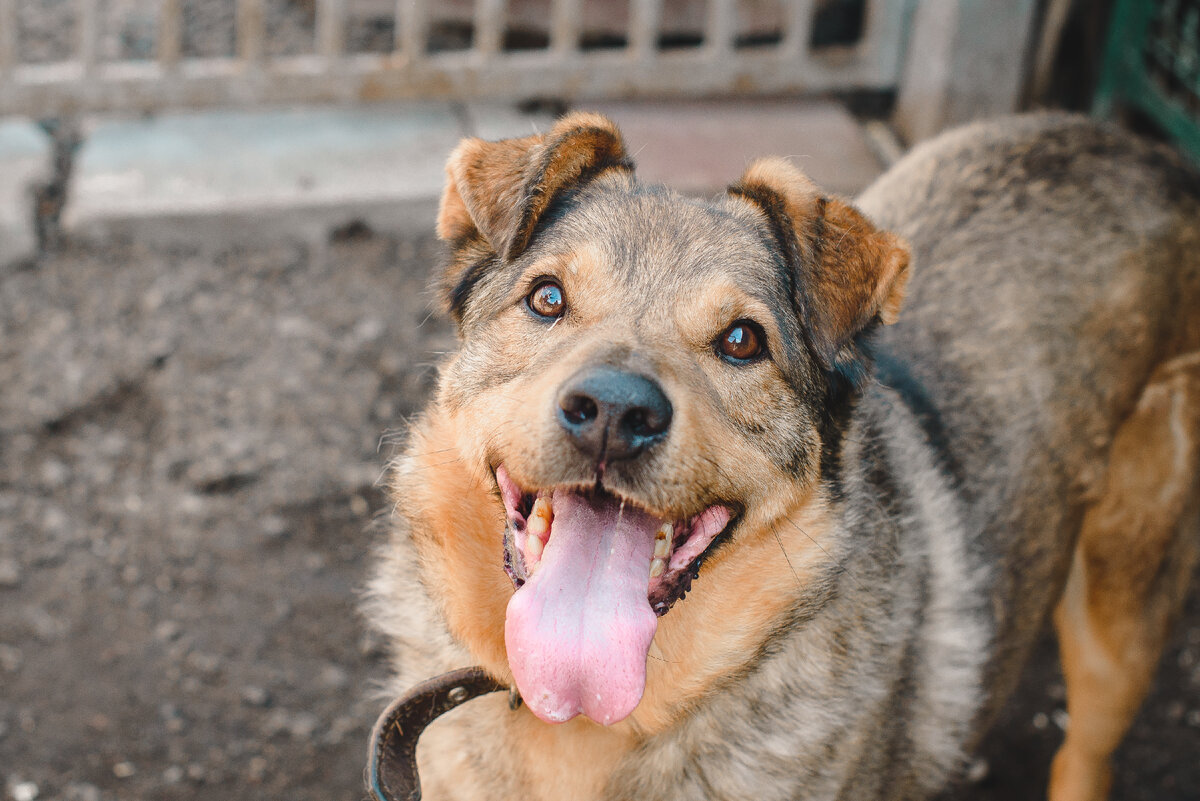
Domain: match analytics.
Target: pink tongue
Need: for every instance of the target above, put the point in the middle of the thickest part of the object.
(578, 631)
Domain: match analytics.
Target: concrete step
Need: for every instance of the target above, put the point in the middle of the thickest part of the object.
(229, 176)
(239, 174)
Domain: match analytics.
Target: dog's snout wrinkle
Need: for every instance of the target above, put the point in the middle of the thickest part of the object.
(613, 414)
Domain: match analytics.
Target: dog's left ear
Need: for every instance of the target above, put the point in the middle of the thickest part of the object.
(496, 192)
(848, 273)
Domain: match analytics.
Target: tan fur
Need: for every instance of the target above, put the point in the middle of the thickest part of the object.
(698, 647)
(702, 644)
(1116, 612)
(838, 643)
(864, 271)
(502, 188)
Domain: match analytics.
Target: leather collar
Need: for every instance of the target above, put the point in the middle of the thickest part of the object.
(392, 761)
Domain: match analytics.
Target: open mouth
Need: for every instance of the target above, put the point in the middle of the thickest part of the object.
(593, 573)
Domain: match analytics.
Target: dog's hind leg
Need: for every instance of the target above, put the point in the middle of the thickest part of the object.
(1135, 555)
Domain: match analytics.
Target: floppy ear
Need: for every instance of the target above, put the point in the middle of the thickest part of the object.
(848, 274)
(496, 192)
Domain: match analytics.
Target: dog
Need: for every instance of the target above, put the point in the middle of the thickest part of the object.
(769, 496)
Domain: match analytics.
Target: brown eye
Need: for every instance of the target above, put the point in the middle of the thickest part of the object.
(546, 300)
(741, 342)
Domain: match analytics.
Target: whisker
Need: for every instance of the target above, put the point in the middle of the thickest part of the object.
(841, 568)
(786, 558)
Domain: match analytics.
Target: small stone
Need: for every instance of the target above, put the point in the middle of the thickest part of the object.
(55, 473)
(10, 573)
(1193, 718)
(82, 791)
(276, 722)
(255, 695)
(10, 658)
(196, 772)
(205, 664)
(334, 677)
(302, 725)
(368, 330)
(978, 770)
(338, 730)
(23, 791)
(1040, 721)
(173, 774)
(172, 718)
(167, 631)
(55, 520)
(46, 627)
(123, 770)
(1061, 718)
(256, 770)
(359, 506)
(275, 527)
(1175, 711)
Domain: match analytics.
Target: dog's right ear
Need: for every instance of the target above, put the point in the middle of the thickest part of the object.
(847, 274)
(497, 192)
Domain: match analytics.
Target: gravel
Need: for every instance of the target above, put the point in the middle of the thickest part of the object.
(188, 457)
(189, 445)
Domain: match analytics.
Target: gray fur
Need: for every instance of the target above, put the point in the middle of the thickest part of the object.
(1031, 324)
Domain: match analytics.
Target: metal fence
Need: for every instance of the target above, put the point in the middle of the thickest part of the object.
(1153, 65)
(642, 63)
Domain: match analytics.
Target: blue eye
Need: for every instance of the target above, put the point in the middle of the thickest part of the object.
(546, 300)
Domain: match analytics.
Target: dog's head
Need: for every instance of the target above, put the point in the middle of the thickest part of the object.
(647, 383)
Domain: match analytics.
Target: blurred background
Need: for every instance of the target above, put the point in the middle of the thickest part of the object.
(215, 240)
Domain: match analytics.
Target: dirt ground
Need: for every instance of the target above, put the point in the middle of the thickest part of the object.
(189, 451)
(189, 448)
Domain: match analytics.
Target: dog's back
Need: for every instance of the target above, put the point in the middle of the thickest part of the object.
(1051, 342)
(1034, 434)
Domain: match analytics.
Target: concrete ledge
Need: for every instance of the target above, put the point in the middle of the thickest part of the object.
(700, 147)
(248, 174)
(492, 121)
(233, 176)
(26, 161)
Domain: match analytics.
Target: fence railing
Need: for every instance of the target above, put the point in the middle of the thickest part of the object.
(642, 63)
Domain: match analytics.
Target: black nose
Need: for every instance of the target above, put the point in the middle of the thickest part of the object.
(613, 414)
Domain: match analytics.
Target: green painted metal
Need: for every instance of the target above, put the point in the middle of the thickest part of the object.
(1152, 63)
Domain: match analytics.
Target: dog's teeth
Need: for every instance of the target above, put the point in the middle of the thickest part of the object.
(657, 567)
(662, 544)
(661, 548)
(533, 550)
(540, 517)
